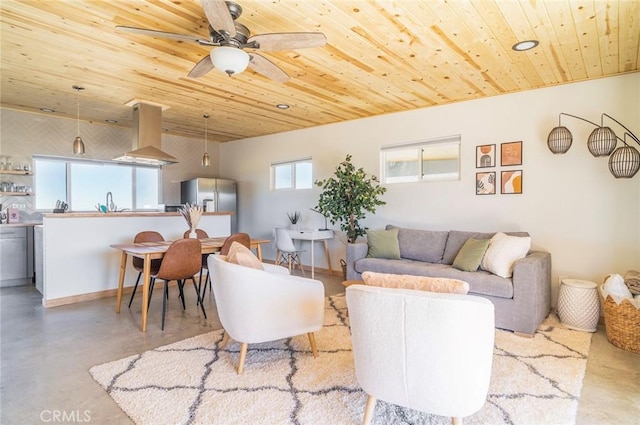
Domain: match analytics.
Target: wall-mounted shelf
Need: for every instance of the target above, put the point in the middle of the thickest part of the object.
(16, 172)
(15, 194)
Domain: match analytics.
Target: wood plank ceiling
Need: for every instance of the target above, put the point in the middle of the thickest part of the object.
(381, 57)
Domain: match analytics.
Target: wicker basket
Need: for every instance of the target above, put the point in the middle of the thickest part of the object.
(622, 323)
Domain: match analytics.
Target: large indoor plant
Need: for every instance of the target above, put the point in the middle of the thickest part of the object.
(347, 196)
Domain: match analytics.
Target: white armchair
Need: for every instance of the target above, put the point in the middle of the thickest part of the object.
(427, 351)
(265, 305)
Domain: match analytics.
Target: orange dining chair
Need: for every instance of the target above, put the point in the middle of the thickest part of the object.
(182, 261)
(138, 263)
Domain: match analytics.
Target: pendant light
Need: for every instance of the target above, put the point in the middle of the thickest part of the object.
(206, 161)
(78, 144)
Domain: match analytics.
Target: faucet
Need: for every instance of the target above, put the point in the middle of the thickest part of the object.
(109, 202)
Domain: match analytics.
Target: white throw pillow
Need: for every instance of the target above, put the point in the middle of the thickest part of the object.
(503, 251)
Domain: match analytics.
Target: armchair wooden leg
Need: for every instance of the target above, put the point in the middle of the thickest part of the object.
(456, 421)
(368, 410)
(243, 355)
(312, 341)
(225, 340)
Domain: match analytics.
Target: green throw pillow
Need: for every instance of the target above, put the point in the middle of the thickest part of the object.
(470, 255)
(383, 244)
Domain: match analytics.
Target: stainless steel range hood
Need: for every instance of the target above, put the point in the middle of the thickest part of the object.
(147, 136)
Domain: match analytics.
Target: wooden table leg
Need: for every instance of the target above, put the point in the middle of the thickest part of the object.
(145, 290)
(259, 249)
(123, 267)
(326, 250)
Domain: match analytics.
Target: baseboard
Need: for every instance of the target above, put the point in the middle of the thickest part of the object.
(57, 302)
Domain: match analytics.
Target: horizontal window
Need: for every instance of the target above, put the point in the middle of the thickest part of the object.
(428, 160)
(84, 184)
(292, 174)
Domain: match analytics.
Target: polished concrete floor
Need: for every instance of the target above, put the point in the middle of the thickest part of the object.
(46, 355)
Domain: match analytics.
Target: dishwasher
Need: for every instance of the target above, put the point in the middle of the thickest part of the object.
(14, 264)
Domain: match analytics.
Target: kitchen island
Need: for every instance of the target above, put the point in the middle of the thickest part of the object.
(78, 263)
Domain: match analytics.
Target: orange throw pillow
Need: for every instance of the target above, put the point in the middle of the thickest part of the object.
(241, 255)
(423, 283)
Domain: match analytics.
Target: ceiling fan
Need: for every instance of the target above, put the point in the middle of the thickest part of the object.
(229, 39)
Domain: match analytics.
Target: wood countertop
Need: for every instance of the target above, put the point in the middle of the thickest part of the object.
(126, 214)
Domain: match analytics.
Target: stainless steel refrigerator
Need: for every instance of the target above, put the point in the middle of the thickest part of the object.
(213, 194)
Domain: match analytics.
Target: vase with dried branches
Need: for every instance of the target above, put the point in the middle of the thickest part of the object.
(192, 214)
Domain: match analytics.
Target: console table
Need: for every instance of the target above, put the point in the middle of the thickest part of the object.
(313, 235)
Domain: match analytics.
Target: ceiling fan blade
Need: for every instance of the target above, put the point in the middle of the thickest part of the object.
(203, 66)
(164, 34)
(218, 16)
(264, 66)
(288, 40)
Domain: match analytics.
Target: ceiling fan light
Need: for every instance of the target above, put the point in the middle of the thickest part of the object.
(602, 142)
(230, 60)
(559, 140)
(624, 162)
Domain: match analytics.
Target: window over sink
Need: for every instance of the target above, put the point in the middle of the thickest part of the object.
(85, 183)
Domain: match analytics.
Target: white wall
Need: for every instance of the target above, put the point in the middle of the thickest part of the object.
(572, 206)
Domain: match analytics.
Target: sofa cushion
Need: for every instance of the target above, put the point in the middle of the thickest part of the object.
(480, 282)
(421, 245)
(503, 251)
(457, 238)
(470, 255)
(383, 244)
(422, 283)
(241, 255)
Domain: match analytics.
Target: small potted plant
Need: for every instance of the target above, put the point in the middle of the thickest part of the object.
(294, 217)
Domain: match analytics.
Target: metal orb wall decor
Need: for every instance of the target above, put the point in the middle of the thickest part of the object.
(559, 140)
(602, 142)
(624, 162)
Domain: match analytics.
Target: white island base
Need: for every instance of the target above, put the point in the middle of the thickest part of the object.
(78, 262)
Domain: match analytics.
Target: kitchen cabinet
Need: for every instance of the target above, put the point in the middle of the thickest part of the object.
(16, 261)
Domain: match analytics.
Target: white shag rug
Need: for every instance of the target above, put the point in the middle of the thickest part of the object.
(534, 380)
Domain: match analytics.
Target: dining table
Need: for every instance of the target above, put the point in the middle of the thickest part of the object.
(148, 251)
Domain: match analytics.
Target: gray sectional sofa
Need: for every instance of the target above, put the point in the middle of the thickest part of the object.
(521, 302)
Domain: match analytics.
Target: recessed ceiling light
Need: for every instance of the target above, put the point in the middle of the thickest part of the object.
(111, 121)
(524, 45)
(48, 110)
(282, 106)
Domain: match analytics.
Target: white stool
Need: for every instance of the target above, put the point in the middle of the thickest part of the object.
(578, 304)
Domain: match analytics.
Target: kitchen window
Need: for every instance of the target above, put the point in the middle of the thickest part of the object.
(84, 184)
(292, 174)
(427, 160)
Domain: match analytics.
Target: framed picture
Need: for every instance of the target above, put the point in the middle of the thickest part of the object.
(486, 183)
(511, 153)
(511, 182)
(485, 156)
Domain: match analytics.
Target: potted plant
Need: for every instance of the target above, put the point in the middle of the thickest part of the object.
(348, 196)
(294, 218)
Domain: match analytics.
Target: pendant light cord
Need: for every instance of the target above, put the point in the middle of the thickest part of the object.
(78, 104)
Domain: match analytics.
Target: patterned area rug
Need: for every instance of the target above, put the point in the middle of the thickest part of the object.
(535, 380)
